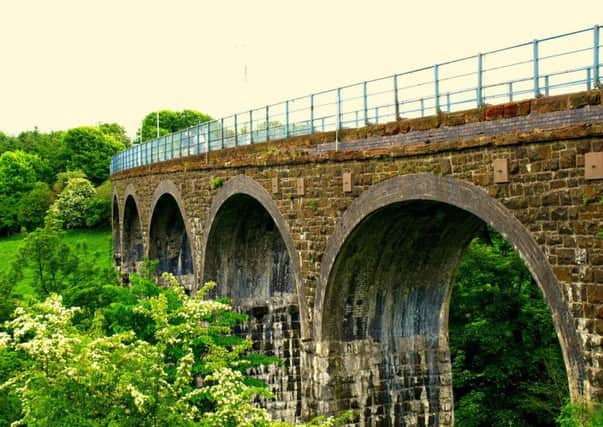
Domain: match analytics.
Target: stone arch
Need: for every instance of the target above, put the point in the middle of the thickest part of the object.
(170, 234)
(250, 193)
(132, 252)
(430, 204)
(249, 252)
(116, 229)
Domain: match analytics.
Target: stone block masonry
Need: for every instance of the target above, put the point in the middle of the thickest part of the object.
(350, 284)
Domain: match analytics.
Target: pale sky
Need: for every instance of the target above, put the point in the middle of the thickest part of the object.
(66, 63)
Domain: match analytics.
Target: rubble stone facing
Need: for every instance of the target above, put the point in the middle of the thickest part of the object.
(544, 141)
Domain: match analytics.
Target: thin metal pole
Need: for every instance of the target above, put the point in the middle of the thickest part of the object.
(157, 124)
(365, 103)
(396, 103)
(376, 115)
(208, 137)
(251, 126)
(588, 79)
(287, 119)
(180, 143)
(236, 130)
(536, 68)
(436, 79)
(480, 79)
(546, 85)
(510, 91)
(422, 108)
(596, 79)
(267, 124)
(222, 133)
(198, 138)
(448, 101)
(338, 109)
(312, 113)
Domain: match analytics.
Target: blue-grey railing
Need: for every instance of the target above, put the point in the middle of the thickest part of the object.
(540, 67)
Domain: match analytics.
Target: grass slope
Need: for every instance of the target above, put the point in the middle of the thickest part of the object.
(98, 243)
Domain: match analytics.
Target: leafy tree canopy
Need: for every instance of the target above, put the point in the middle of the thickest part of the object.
(506, 361)
(90, 150)
(170, 121)
(115, 130)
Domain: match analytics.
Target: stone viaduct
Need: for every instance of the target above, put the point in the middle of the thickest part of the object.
(343, 252)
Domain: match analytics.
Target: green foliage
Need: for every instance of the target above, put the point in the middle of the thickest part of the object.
(64, 177)
(90, 150)
(116, 131)
(506, 360)
(78, 205)
(50, 259)
(18, 174)
(580, 414)
(216, 182)
(170, 121)
(33, 206)
(123, 378)
(47, 146)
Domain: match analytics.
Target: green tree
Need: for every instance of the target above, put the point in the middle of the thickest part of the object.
(170, 121)
(49, 258)
(91, 378)
(48, 147)
(89, 150)
(18, 174)
(117, 131)
(506, 360)
(75, 206)
(7, 143)
(33, 206)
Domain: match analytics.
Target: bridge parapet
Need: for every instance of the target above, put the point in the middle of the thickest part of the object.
(561, 63)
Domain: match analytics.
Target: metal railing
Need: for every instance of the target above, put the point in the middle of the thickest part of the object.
(547, 66)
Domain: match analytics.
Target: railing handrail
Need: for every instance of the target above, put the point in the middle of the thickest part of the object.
(424, 95)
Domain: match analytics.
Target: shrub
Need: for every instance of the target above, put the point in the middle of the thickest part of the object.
(33, 206)
(74, 204)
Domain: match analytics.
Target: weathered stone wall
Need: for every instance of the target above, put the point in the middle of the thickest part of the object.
(547, 210)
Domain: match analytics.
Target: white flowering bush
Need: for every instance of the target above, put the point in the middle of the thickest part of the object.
(167, 360)
(72, 204)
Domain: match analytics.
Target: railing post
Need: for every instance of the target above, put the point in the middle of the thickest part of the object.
(251, 126)
(180, 143)
(422, 108)
(222, 133)
(546, 85)
(208, 136)
(436, 79)
(365, 103)
(188, 141)
(198, 138)
(448, 101)
(236, 131)
(376, 115)
(338, 108)
(480, 79)
(597, 81)
(396, 103)
(536, 68)
(165, 147)
(287, 119)
(312, 113)
(267, 123)
(588, 79)
(510, 91)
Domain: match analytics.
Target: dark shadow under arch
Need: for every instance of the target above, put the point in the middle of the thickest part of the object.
(398, 246)
(116, 231)
(133, 246)
(248, 251)
(241, 208)
(169, 242)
